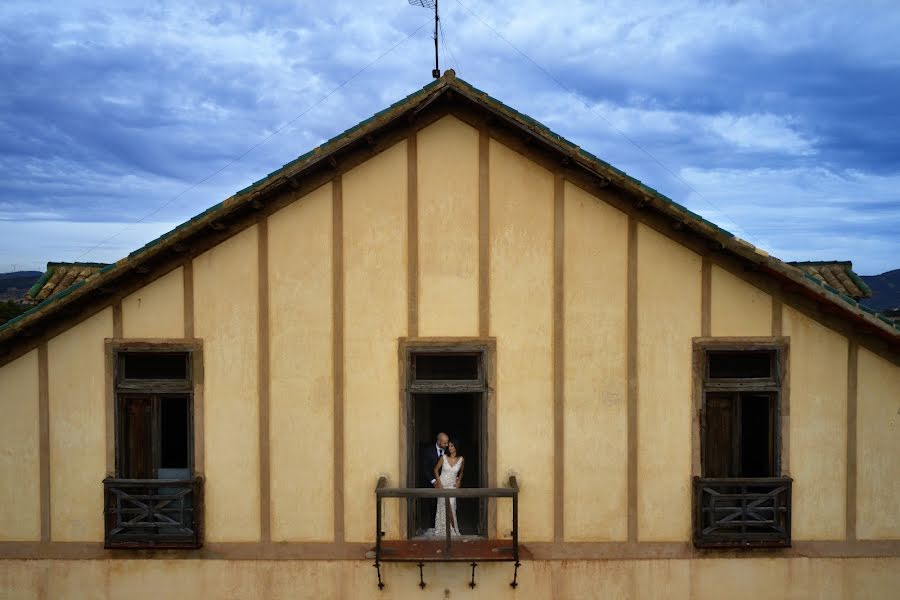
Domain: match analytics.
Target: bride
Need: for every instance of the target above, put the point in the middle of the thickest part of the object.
(448, 473)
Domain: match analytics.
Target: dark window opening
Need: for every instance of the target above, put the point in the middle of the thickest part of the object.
(741, 365)
(757, 436)
(739, 435)
(154, 365)
(460, 416)
(174, 431)
(154, 423)
(445, 367)
(447, 392)
(154, 437)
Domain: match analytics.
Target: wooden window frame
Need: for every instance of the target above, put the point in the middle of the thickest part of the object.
(751, 498)
(487, 348)
(137, 511)
(779, 384)
(153, 387)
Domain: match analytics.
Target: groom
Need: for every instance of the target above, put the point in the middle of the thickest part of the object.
(430, 456)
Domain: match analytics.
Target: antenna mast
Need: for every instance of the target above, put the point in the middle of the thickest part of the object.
(436, 73)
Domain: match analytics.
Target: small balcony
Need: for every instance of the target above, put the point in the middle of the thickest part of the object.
(448, 549)
(153, 513)
(742, 512)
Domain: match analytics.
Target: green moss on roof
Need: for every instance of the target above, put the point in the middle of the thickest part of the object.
(33, 291)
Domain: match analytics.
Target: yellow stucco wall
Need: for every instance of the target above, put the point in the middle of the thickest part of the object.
(738, 308)
(818, 428)
(668, 317)
(448, 228)
(521, 312)
(20, 478)
(225, 317)
(375, 315)
(703, 579)
(156, 310)
(300, 362)
(878, 448)
(596, 422)
(77, 379)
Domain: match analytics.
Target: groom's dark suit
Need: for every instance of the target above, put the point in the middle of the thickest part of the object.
(427, 506)
(430, 457)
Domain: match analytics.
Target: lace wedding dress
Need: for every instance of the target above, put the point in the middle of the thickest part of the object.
(448, 481)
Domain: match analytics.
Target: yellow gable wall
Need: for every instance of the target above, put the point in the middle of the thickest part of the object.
(818, 428)
(878, 443)
(225, 317)
(77, 387)
(448, 229)
(738, 308)
(20, 506)
(375, 315)
(375, 312)
(300, 359)
(521, 283)
(596, 422)
(668, 317)
(156, 310)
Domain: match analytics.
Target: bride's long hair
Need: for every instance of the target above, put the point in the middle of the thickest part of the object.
(455, 442)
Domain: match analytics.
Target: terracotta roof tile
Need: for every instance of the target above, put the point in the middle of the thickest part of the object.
(837, 274)
(60, 276)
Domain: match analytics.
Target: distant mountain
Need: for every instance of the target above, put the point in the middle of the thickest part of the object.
(885, 290)
(14, 285)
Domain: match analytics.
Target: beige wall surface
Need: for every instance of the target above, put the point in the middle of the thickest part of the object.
(77, 385)
(595, 377)
(521, 283)
(375, 315)
(878, 443)
(300, 361)
(818, 428)
(701, 579)
(157, 309)
(448, 228)
(20, 478)
(225, 317)
(738, 308)
(668, 317)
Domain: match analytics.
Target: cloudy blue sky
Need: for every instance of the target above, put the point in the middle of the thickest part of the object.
(778, 121)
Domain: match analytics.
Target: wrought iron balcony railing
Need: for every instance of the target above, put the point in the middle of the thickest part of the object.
(447, 549)
(153, 513)
(742, 512)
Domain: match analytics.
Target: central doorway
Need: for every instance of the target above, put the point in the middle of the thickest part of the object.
(447, 392)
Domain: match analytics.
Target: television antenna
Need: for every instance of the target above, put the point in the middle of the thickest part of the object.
(436, 72)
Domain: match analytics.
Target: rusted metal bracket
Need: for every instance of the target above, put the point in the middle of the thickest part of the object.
(514, 583)
(377, 566)
(422, 583)
(472, 583)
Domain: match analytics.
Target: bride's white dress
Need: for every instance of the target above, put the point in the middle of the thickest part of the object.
(448, 481)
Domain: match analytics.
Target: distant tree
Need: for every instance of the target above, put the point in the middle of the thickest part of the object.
(10, 310)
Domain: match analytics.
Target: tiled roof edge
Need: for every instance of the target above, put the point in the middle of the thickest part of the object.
(41, 282)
